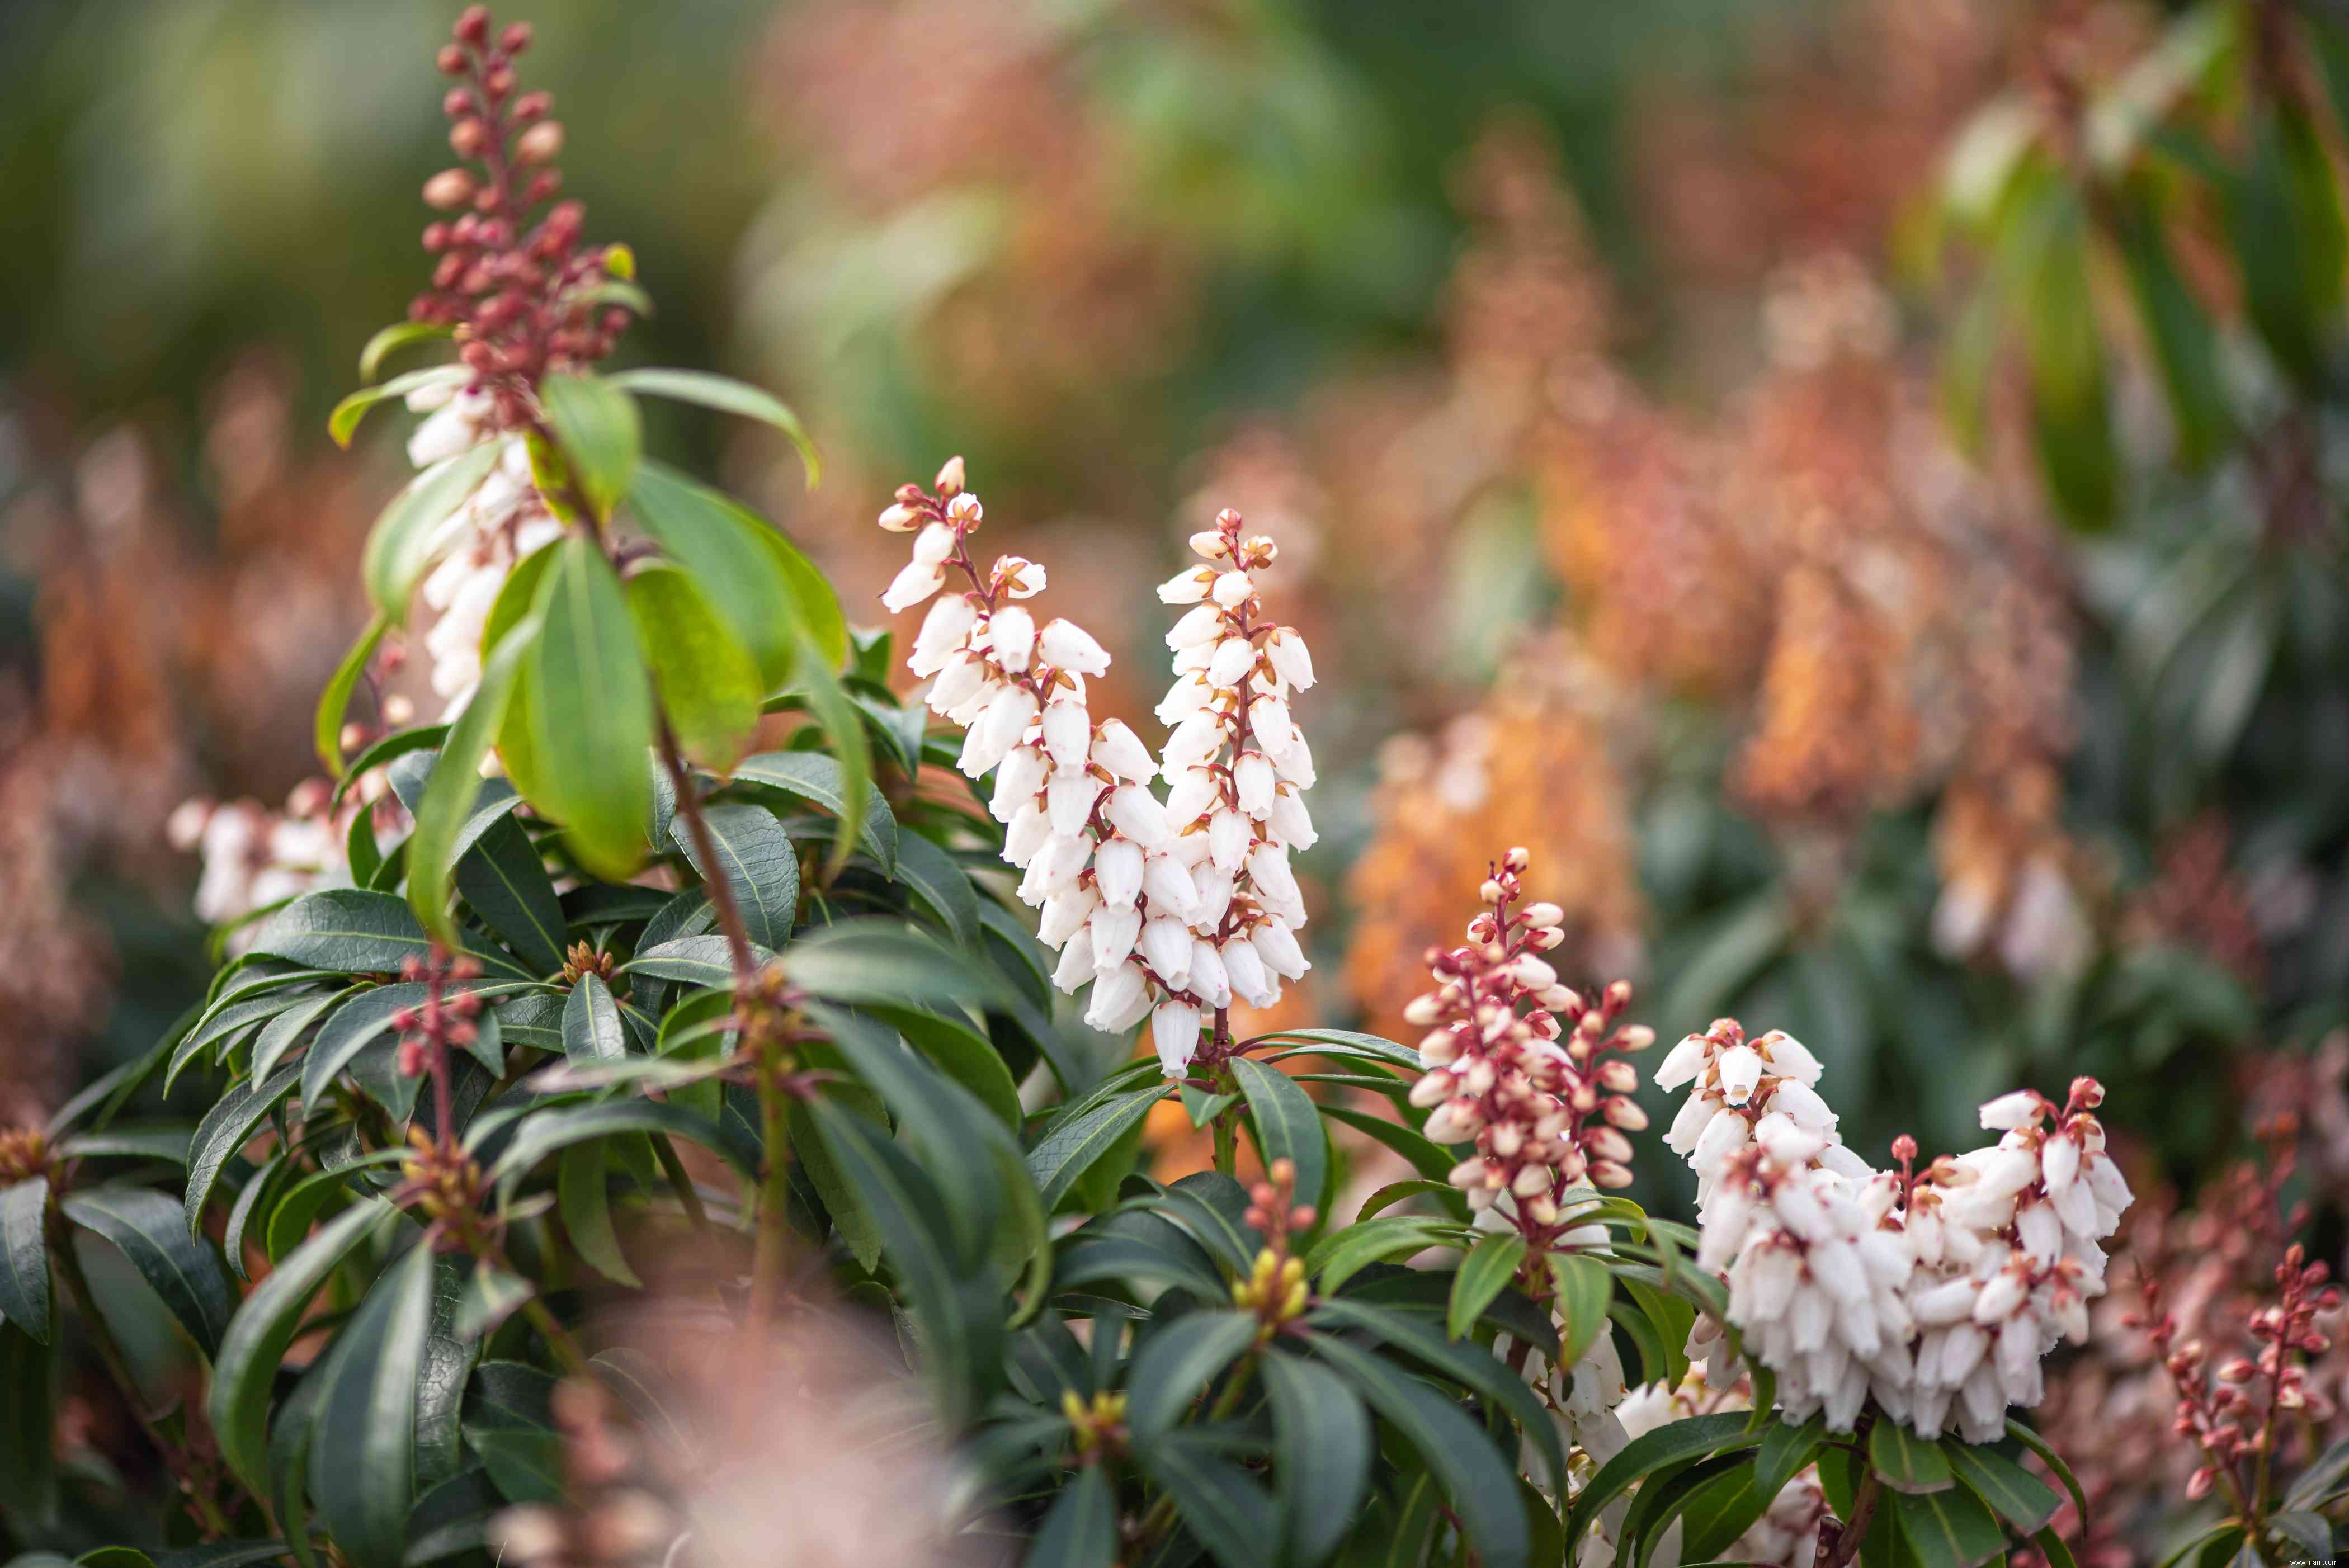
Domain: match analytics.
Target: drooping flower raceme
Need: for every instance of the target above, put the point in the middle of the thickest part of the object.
(1522, 1064)
(1934, 1294)
(1169, 908)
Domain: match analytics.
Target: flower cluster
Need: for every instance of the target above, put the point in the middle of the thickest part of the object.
(255, 858)
(1171, 909)
(1522, 1064)
(1934, 1293)
(2231, 1412)
(1788, 1531)
(523, 295)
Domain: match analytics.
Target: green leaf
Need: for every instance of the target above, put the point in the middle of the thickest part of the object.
(1321, 1453)
(455, 785)
(756, 860)
(491, 1296)
(2071, 421)
(334, 702)
(728, 396)
(226, 1127)
(964, 1055)
(1946, 1528)
(1341, 1254)
(2314, 1487)
(24, 1256)
(1079, 1530)
(1667, 1445)
(694, 961)
(1481, 1484)
(391, 339)
(880, 960)
(592, 713)
(940, 882)
(1907, 1462)
(363, 1451)
(2021, 1498)
(1342, 1043)
(1583, 1288)
(263, 1326)
(344, 422)
(843, 726)
(349, 931)
(28, 1465)
(345, 1034)
(2184, 342)
(150, 1229)
(503, 878)
(706, 679)
(596, 425)
(722, 548)
(525, 1463)
(546, 1132)
(1719, 1510)
(1176, 1365)
(1471, 1365)
(1487, 1272)
(1077, 1142)
(397, 550)
(591, 1023)
(584, 1202)
(819, 781)
(1287, 1126)
(279, 1034)
(2054, 1461)
(858, 1230)
(166, 1141)
(1786, 1447)
(1217, 1501)
(249, 1199)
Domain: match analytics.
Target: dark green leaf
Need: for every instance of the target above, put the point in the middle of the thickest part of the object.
(819, 781)
(25, 1255)
(1178, 1363)
(263, 1326)
(1077, 1142)
(1487, 1272)
(728, 397)
(363, 1451)
(1905, 1461)
(1667, 1445)
(602, 438)
(1785, 1449)
(504, 879)
(758, 862)
(395, 549)
(1079, 1530)
(693, 960)
(880, 960)
(1287, 1125)
(1217, 1501)
(941, 884)
(1340, 1253)
(591, 1023)
(1481, 1484)
(2052, 1459)
(226, 1127)
(820, 689)
(347, 930)
(278, 1036)
(326, 724)
(2021, 1498)
(29, 1469)
(1321, 1451)
(526, 1464)
(491, 1296)
(857, 1228)
(1583, 1287)
(591, 713)
(151, 1230)
(1471, 1365)
(957, 1049)
(1946, 1528)
(584, 1202)
(547, 1131)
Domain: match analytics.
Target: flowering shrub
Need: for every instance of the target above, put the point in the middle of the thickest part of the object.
(674, 943)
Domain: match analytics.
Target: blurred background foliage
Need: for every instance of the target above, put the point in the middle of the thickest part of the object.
(1856, 487)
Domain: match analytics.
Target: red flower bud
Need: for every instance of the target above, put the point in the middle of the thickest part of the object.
(451, 60)
(449, 190)
(472, 26)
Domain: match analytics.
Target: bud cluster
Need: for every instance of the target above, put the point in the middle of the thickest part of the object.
(441, 1022)
(2232, 1411)
(24, 1154)
(1935, 1294)
(525, 296)
(1275, 1287)
(1524, 1065)
(1174, 907)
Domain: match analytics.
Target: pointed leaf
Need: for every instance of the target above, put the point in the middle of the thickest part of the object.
(1946, 1528)
(1287, 1126)
(1217, 1501)
(719, 546)
(344, 422)
(1907, 1462)
(334, 702)
(728, 397)
(24, 1256)
(707, 681)
(226, 1127)
(1484, 1275)
(819, 781)
(2021, 1497)
(758, 862)
(391, 339)
(939, 881)
(1176, 1365)
(601, 437)
(151, 1230)
(591, 1023)
(591, 713)
(1079, 1530)
(363, 1450)
(1078, 1142)
(1582, 1287)
(1321, 1453)
(584, 1202)
(28, 1465)
(399, 548)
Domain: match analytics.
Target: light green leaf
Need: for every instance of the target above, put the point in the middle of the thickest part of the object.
(334, 702)
(592, 713)
(728, 397)
(1484, 1275)
(344, 422)
(391, 339)
(707, 684)
(456, 781)
(596, 425)
(400, 544)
